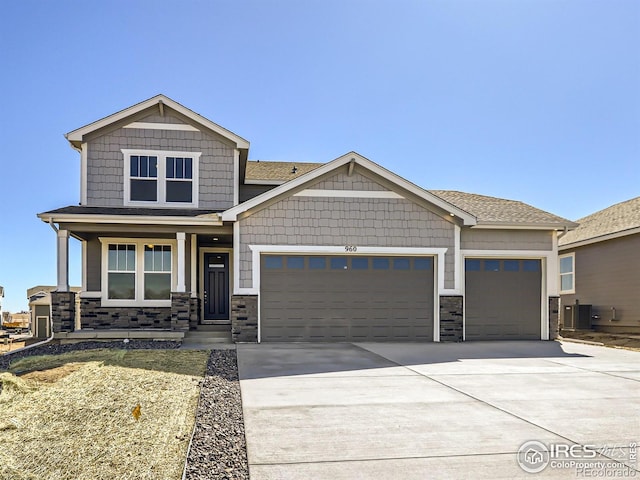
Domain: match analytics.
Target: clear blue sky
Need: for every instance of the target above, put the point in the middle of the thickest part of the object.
(534, 100)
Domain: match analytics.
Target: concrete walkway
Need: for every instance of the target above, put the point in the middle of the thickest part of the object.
(415, 411)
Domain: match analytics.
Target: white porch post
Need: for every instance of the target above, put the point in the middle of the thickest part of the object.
(63, 260)
(182, 264)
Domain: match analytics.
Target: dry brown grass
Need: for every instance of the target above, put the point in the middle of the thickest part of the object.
(69, 416)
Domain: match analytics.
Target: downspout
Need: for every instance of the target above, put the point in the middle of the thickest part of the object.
(563, 233)
(44, 342)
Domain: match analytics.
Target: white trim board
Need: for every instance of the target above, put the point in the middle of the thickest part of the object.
(162, 126)
(549, 274)
(348, 193)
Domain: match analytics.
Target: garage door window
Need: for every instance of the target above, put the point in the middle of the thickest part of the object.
(401, 264)
(531, 265)
(511, 265)
(381, 264)
(295, 263)
(273, 262)
(492, 265)
(472, 265)
(422, 264)
(317, 263)
(360, 263)
(338, 263)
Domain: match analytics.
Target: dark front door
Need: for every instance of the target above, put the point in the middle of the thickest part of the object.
(216, 286)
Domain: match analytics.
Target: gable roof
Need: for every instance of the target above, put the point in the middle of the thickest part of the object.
(615, 221)
(232, 213)
(276, 173)
(501, 211)
(75, 137)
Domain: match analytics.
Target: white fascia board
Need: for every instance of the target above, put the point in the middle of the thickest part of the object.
(78, 134)
(599, 239)
(130, 219)
(522, 226)
(232, 213)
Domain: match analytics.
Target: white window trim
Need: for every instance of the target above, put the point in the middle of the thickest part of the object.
(573, 273)
(161, 179)
(139, 271)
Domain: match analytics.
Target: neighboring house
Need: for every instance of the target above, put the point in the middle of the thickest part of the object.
(180, 230)
(40, 309)
(600, 266)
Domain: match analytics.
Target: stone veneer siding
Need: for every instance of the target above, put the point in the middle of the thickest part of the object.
(451, 318)
(244, 318)
(554, 317)
(180, 311)
(194, 317)
(178, 317)
(63, 311)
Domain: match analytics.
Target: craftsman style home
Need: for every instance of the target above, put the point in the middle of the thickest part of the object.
(180, 230)
(600, 268)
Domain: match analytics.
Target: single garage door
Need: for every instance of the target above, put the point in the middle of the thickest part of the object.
(346, 298)
(503, 299)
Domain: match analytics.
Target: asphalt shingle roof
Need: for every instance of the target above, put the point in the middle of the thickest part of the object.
(499, 210)
(277, 171)
(614, 219)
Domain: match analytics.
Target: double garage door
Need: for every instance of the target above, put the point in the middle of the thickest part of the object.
(376, 298)
(346, 298)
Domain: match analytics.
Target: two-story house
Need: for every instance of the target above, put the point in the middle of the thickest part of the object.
(179, 230)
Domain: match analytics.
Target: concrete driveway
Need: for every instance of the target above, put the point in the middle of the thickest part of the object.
(415, 411)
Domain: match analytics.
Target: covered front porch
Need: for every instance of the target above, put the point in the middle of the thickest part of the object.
(145, 277)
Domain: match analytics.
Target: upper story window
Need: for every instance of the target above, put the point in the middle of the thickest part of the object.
(167, 179)
(567, 273)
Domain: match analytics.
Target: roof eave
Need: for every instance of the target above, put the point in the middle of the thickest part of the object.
(76, 137)
(599, 238)
(129, 219)
(525, 225)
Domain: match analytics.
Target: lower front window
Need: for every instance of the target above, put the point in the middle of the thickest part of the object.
(137, 272)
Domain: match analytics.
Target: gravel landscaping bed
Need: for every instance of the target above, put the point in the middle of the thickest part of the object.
(218, 448)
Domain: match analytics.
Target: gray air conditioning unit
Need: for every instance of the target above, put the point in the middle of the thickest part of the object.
(576, 317)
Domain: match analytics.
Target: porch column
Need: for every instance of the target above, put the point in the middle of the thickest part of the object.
(181, 238)
(63, 261)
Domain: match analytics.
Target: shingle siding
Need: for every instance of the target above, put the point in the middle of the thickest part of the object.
(356, 181)
(607, 274)
(105, 165)
(370, 222)
(478, 239)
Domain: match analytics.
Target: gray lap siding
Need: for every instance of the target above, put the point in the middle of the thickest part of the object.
(499, 239)
(606, 276)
